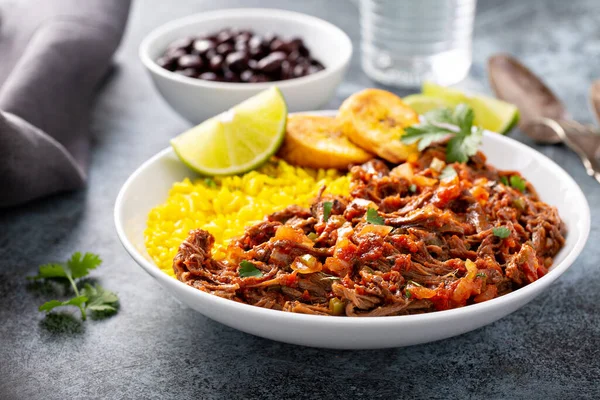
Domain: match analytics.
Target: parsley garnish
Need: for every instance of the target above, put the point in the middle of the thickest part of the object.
(502, 232)
(247, 270)
(443, 122)
(327, 210)
(91, 297)
(448, 173)
(504, 180)
(518, 183)
(481, 275)
(374, 218)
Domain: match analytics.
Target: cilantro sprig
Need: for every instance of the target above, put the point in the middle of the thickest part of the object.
(515, 181)
(247, 270)
(327, 210)
(442, 123)
(502, 232)
(374, 218)
(89, 297)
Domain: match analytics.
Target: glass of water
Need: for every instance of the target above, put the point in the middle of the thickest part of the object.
(406, 42)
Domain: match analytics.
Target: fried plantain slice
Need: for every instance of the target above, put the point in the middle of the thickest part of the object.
(318, 142)
(375, 119)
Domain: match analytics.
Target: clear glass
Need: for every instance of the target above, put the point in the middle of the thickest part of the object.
(405, 42)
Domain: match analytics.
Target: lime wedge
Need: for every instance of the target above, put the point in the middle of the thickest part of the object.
(490, 113)
(422, 103)
(452, 96)
(237, 140)
(493, 114)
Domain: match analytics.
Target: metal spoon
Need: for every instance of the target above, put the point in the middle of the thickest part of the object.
(515, 83)
(595, 99)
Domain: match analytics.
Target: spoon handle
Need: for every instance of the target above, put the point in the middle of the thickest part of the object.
(595, 99)
(582, 139)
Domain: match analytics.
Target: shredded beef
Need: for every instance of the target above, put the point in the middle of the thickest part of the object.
(439, 247)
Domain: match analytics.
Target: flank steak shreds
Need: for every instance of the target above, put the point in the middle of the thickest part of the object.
(407, 239)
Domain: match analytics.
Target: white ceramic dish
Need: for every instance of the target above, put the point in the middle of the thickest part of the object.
(197, 100)
(149, 186)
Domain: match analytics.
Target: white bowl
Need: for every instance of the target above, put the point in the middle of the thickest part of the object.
(197, 100)
(148, 186)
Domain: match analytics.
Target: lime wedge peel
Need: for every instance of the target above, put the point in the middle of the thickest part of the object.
(238, 140)
(490, 113)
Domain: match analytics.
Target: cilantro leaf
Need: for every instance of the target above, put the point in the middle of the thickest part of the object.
(80, 266)
(94, 298)
(502, 232)
(518, 183)
(448, 173)
(374, 218)
(463, 116)
(461, 147)
(52, 304)
(424, 134)
(441, 114)
(54, 270)
(327, 210)
(441, 123)
(247, 269)
(99, 299)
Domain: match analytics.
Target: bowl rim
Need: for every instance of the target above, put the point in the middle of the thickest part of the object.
(522, 294)
(275, 14)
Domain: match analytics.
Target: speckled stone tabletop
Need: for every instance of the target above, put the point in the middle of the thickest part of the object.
(155, 348)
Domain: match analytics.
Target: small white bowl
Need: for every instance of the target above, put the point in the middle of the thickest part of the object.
(149, 186)
(197, 100)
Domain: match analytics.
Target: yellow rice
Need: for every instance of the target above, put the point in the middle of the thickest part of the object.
(225, 206)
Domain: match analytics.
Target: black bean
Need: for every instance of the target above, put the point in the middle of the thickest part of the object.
(244, 36)
(246, 76)
(224, 49)
(257, 78)
(269, 38)
(277, 45)
(189, 72)
(241, 46)
(235, 55)
(300, 70)
(255, 42)
(202, 46)
(175, 53)
(294, 56)
(287, 69)
(190, 61)
(210, 53)
(209, 76)
(224, 36)
(237, 62)
(303, 50)
(230, 76)
(184, 43)
(271, 63)
(216, 63)
(169, 63)
(295, 43)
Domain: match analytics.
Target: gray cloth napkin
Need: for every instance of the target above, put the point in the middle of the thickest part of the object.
(54, 54)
